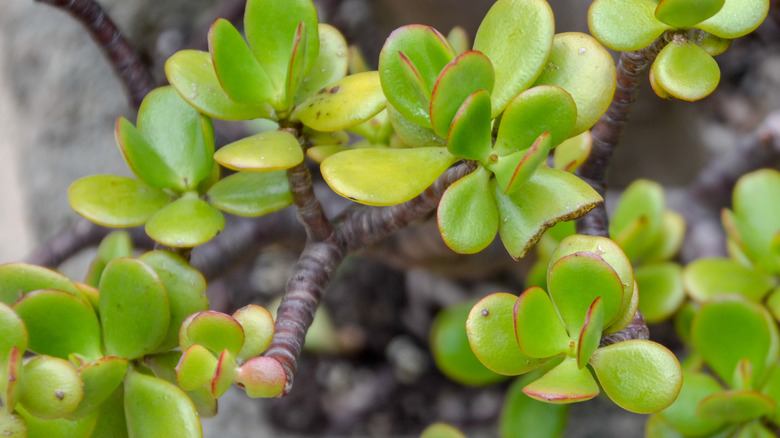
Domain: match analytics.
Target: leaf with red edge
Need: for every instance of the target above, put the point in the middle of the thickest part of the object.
(213, 330)
(566, 383)
(467, 214)
(539, 330)
(684, 13)
(590, 336)
(513, 170)
(470, 135)
(469, 72)
(261, 376)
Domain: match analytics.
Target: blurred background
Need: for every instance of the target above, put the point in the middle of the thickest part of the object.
(58, 103)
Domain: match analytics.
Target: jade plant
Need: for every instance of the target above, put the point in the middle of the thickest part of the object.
(508, 135)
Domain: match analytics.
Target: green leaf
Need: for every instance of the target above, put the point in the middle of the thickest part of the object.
(134, 311)
(707, 278)
(156, 408)
(517, 36)
(18, 279)
(13, 333)
(590, 336)
(468, 73)
(227, 370)
(467, 214)
(636, 222)
(566, 383)
(116, 244)
(669, 240)
(514, 170)
(213, 330)
(12, 425)
(582, 67)
(684, 13)
(575, 281)
(192, 73)
(772, 389)
(295, 71)
(539, 330)
(343, 104)
(196, 367)
(570, 154)
(426, 51)
(548, 197)
(625, 25)
(261, 376)
(101, 378)
(719, 332)
(111, 417)
(491, 331)
(330, 65)
(712, 44)
(11, 380)
(60, 324)
(652, 384)
(544, 108)
(185, 223)
(186, 290)
(271, 27)
(240, 74)
(736, 18)
(179, 142)
(115, 201)
(735, 406)
(685, 71)
(258, 326)
(452, 352)
(757, 206)
(682, 413)
(251, 193)
(52, 387)
(272, 150)
(521, 414)
(662, 291)
(470, 136)
(384, 176)
(441, 430)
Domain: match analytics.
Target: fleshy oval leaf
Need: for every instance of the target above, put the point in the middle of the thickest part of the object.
(662, 290)
(330, 66)
(134, 310)
(684, 14)
(13, 333)
(518, 56)
(240, 74)
(469, 134)
(411, 133)
(452, 352)
(52, 387)
(185, 286)
(653, 383)
(513, 170)
(385, 176)
(155, 407)
(271, 28)
(682, 413)
(116, 244)
(343, 104)
(196, 367)
(685, 71)
(539, 330)
(636, 221)
(251, 193)
(756, 198)
(590, 336)
(226, 371)
(491, 330)
(543, 108)
(213, 330)
(469, 72)
(548, 197)
(258, 326)
(719, 331)
(736, 18)
(18, 279)
(187, 222)
(570, 154)
(625, 25)
(272, 150)
(60, 324)
(521, 413)
(425, 50)
(566, 383)
(115, 201)
(192, 73)
(735, 406)
(582, 67)
(576, 280)
(467, 214)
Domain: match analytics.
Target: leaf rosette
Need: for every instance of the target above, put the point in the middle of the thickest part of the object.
(591, 293)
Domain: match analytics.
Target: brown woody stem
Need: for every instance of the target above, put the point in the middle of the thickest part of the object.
(126, 62)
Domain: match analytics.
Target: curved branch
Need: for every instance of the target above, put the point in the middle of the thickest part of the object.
(126, 62)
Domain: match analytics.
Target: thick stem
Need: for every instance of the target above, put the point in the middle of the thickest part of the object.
(126, 62)
(606, 133)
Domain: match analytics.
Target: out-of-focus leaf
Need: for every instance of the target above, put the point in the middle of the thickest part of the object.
(115, 201)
